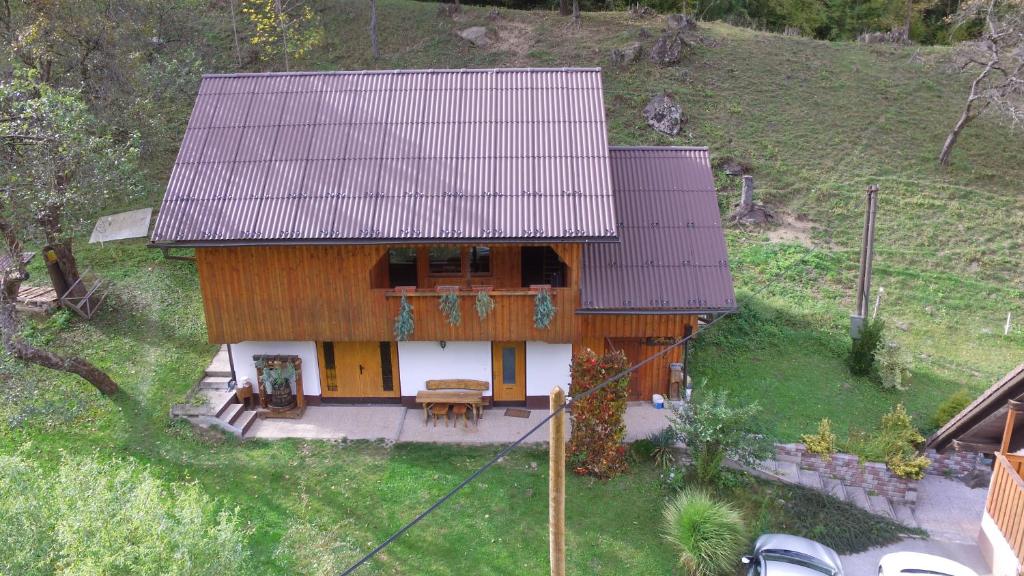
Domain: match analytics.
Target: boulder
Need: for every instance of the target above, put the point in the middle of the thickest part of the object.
(669, 48)
(664, 115)
(477, 35)
(680, 22)
(627, 55)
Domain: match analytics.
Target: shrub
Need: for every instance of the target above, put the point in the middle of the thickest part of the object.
(951, 407)
(862, 352)
(709, 535)
(663, 443)
(892, 365)
(823, 443)
(895, 444)
(598, 420)
(112, 518)
(714, 430)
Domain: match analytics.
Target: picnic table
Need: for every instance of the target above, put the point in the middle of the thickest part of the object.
(474, 399)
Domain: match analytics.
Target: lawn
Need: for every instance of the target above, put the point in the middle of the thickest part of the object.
(816, 122)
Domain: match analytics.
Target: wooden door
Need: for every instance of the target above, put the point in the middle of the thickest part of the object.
(358, 370)
(651, 378)
(509, 363)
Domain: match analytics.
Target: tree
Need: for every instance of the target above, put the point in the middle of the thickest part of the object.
(62, 167)
(374, 45)
(713, 429)
(998, 58)
(282, 28)
(59, 168)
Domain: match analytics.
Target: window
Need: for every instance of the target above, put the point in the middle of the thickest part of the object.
(386, 371)
(508, 365)
(445, 260)
(402, 266)
(480, 260)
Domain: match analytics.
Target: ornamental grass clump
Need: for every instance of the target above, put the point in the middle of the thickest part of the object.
(708, 534)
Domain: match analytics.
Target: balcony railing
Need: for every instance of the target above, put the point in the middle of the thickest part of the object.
(1005, 502)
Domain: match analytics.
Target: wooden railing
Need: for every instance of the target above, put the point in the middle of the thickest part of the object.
(1006, 500)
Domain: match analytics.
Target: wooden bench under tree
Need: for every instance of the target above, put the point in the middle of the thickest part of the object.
(460, 393)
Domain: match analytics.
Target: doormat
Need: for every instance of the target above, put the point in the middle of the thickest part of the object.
(517, 412)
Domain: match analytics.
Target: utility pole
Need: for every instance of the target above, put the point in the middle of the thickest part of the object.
(867, 253)
(556, 483)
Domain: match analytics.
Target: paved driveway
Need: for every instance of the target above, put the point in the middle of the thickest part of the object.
(951, 513)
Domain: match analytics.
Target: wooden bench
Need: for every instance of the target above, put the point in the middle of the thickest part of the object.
(460, 393)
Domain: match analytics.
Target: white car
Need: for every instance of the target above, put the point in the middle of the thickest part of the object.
(918, 564)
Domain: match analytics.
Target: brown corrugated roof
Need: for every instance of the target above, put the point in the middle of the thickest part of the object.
(983, 421)
(384, 156)
(671, 256)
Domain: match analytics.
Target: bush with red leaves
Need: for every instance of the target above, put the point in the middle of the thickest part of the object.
(598, 421)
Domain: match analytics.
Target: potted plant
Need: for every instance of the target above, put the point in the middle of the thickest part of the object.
(277, 379)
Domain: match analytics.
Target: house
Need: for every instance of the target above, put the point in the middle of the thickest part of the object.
(994, 424)
(317, 202)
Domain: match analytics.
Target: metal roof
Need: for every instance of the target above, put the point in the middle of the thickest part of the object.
(390, 156)
(671, 256)
(983, 421)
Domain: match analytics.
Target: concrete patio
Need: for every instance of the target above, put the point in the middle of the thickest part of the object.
(398, 424)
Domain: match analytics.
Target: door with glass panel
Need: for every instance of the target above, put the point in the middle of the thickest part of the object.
(509, 362)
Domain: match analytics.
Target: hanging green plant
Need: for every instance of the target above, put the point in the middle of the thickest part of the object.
(449, 305)
(484, 304)
(403, 323)
(543, 309)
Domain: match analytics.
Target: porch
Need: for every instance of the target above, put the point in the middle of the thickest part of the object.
(395, 423)
(1003, 524)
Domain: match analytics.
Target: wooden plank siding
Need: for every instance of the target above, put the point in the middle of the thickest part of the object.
(324, 293)
(1006, 500)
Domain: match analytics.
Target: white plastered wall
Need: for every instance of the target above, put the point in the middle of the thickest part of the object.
(245, 368)
(996, 549)
(547, 366)
(426, 360)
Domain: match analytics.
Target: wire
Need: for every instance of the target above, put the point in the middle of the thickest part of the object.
(569, 400)
(507, 449)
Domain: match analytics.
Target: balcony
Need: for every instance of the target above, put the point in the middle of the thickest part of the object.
(1005, 504)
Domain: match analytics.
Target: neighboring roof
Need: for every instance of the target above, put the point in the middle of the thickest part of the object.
(671, 256)
(983, 421)
(392, 156)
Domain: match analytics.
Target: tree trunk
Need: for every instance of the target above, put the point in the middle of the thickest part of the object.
(74, 365)
(373, 29)
(576, 22)
(947, 147)
(50, 223)
(966, 116)
(564, 8)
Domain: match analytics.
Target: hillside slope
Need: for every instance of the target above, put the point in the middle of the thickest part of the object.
(817, 122)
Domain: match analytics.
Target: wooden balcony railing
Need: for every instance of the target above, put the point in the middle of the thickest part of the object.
(1006, 500)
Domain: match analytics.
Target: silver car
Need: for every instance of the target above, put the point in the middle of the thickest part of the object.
(785, 555)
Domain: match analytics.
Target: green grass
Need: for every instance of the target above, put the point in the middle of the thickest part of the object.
(816, 121)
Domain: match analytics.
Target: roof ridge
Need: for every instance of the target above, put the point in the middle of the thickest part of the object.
(397, 71)
(659, 148)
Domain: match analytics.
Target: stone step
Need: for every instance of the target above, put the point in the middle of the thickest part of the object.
(221, 364)
(231, 413)
(835, 488)
(788, 471)
(810, 479)
(246, 420)
(880, 505)
(214, 383)
(858, 496)
(905, 515)
(220, 402)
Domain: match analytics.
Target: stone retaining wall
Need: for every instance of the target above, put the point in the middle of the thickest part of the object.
(874, 477)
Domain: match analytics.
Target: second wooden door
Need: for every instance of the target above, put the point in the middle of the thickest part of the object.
(358, 370)
(509, 363)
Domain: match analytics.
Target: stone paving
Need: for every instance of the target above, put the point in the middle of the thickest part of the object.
(399, 424)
